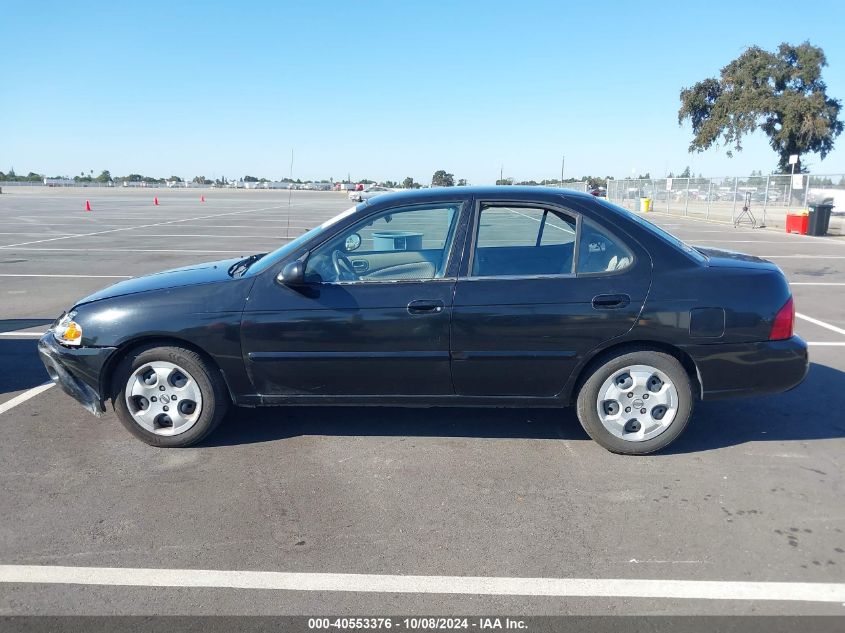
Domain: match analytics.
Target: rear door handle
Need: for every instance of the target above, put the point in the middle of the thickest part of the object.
(425, 306)
(610, 302)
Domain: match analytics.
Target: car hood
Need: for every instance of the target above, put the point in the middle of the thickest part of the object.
(730, 259)
(186, 276)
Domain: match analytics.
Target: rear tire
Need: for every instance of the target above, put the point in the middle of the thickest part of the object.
(169, 397)
(636, 403)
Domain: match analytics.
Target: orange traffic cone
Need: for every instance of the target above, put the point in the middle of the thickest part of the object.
(155, 201)
(87, 205)
(202, 198)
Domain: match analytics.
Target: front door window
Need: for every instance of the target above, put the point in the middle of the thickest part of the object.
(407, 244)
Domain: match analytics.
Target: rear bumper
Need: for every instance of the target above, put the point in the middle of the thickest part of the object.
(749, 369)
(76, 370)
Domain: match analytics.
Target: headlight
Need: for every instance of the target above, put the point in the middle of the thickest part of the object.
(67, 331)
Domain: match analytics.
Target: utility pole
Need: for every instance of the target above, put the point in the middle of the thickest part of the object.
(793, 158)
(562, 162)
(502, 173)
(290, 193)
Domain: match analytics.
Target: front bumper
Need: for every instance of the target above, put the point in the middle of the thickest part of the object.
(78, 371)
(750, 369)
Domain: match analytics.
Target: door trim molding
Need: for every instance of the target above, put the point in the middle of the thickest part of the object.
(306, 355)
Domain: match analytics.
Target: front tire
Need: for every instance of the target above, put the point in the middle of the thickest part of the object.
(636, 403)
(169, 397)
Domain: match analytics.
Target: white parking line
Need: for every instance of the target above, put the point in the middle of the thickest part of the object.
(134, 250)
(68, 276)
(828, 326)
(223, 237)
(243, 226)
(827, 344)
(26, 395)
(27, 234)
(146, 226)
(783, 242)
(802, 256)
(721, 232)
(816, 283)
(455, 585)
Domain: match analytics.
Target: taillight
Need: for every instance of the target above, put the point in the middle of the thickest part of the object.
(783, 322)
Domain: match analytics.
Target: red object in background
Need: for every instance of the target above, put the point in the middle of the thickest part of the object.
(155, 201)
(202, 198)
(87, 205)
(359, 187)
(796, 223)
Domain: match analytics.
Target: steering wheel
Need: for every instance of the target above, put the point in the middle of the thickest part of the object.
(343, 267)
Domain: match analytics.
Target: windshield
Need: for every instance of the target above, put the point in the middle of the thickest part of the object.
(286, 249)
(653, 228)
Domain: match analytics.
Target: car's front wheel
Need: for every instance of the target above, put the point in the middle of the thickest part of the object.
(636, 402)
(168, 396)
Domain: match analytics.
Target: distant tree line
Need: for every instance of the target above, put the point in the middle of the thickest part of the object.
(440, 178)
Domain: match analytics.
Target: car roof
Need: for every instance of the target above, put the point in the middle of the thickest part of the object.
(500, 192)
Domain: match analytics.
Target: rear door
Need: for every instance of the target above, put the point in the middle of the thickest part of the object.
(542, 287)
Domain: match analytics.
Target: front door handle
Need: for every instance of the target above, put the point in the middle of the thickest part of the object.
(425, 306)
(610, 302)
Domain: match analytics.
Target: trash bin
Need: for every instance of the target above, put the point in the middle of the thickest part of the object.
(819, 219)
(645, 205)
(397, 241)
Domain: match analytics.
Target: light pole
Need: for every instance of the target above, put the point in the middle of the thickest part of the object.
(562, 163)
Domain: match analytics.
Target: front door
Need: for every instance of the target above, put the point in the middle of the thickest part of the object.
(542, 287)
(373, 318)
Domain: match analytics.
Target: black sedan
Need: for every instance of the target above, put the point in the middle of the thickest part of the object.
(499, 296)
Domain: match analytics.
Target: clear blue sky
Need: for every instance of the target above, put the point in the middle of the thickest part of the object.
(381, 89)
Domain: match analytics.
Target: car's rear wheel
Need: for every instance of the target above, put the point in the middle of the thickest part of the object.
(168, 396)
(637, 402)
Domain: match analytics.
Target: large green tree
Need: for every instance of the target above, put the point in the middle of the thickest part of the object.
(781, 93)
(442, 178)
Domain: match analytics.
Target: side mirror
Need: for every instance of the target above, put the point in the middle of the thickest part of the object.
(293, 274)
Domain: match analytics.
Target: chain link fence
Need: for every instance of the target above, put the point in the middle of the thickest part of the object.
(768, 198)
(574, 186)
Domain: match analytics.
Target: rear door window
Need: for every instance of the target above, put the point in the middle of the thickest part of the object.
(600, 252)
(523, 241)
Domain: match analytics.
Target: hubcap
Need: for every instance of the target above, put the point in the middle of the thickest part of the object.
(637, 403)
(163, 398)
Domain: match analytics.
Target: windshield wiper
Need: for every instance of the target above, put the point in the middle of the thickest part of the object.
(240, 267)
